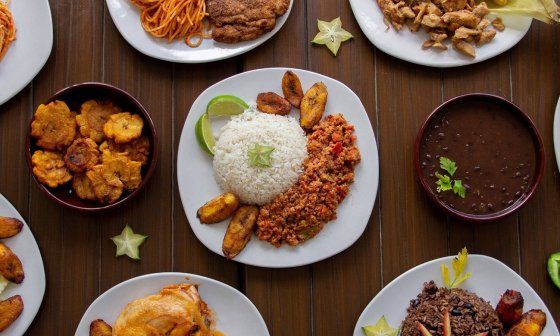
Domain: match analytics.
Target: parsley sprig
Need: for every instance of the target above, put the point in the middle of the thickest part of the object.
(445, 182)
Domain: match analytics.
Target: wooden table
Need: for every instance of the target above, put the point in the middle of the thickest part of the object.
(321, 299)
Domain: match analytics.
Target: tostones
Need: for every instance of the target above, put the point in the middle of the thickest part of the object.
(136, 150)
(54, 126)
(50, 169)
(106, 191)
(93, 115)
(83, 187)
(81, 155)
(119, 166)
(123, 127)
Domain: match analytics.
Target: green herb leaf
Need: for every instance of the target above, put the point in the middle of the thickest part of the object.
(331, 34)
(443, 182)
(259, 156)
(128, 243)
(459, 189)
(448, 165)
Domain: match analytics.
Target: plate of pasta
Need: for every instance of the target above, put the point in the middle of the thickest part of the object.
(26, 39)
(197, 31)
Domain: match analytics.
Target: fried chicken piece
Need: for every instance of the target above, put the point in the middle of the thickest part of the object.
(485, 37)
(463, 18)
(136, 150)
(106, 191)
(465, 48)
(480, 10)
(464, 33)
(498, 24)
(81, 155)
(421, 11)
(483, 24)
(438, 36)
(433, 9)
(83, 187)
(50, 169)
(453, 5)
(243, 20)
(93, 115)
(54, 126)
(120, 167)
(123, 127)
(433, 21)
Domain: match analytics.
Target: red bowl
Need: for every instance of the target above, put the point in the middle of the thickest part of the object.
(517, 112)
(74, 96)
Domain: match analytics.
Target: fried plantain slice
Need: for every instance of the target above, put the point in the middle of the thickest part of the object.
(313, 105)
(119, 166)
(50, 169)
(10, 310)
(83, 187)
(239, 230)
(10, 265)
(136, 150)
(106, 191)
(218, 209)
(123, 127)
(291, 87)
(81, 155)
(9, 227)
(271, 103)
(100, 328)
(53, 125)
(93, 116)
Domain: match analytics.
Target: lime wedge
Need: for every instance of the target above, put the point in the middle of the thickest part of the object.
(381, 328)
(226, 105)
(204, 136)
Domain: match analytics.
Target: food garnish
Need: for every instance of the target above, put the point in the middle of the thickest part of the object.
(9, 227)
(225, 106)
(381, 328)
(7, 29)
(553, 266)
(259, 155)
(239, 230)
(510, 308)
(291, 88)
(532, 323)
(128, 243)
(218, 209)
(204, 136)
(459, 264)
(10, 309)
(313, 105)
(272, 103)
(423, 330)
(543, 10)
(445, 182)
(331, 34)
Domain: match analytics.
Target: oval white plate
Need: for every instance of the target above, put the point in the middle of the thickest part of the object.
(197, 185)
(234, 314)
(556, 133)
(490, 279)
(31, 49)
(127, 19)
(32, 288)
(408, 46)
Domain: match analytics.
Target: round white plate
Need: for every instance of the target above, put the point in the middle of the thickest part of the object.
(234, 314)
(31, 49)
(407, 45)
(197, 184)
(490, 279)
(556, 133)
(127, 19)
(32, 288)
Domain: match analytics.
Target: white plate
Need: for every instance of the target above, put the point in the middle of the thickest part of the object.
(407, 45)
(556, 133)
(127, 19)
(490, 279)
(235, 315)
(32, 288)
(31, 49)
(197, 185)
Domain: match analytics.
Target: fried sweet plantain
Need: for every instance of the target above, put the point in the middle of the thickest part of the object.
(106, 191)
(136, 150)
(9, 227)
(10, 265)
(50, 169)
(123, 127)
(83, 187)
(271, 103)
(119, 166)
(291, 87)
(313, 105)
(93, 116)
(81, 155)
(218, 209)
(10, 310)
(54, 126)
(532, 323)
(100, 328)
(239, 230)
(510, 308)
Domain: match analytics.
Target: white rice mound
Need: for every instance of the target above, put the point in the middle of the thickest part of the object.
(254, 185)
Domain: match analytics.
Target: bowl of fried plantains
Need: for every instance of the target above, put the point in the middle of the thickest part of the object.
(91, 147)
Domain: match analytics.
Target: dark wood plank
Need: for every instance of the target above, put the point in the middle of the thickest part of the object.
(68, 240)
(340, 293)
(536, 86)
(271, 290)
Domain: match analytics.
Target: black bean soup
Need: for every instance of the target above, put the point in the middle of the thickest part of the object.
(494, 152)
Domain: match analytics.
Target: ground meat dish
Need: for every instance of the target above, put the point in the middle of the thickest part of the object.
(469, 313)
(301, 212)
